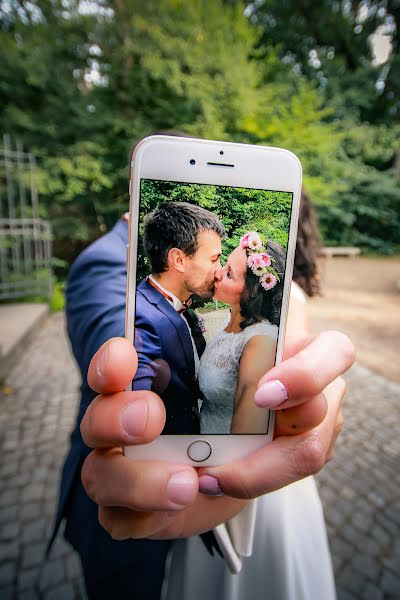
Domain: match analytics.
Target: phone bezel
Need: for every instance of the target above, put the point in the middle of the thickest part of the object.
(259, 167)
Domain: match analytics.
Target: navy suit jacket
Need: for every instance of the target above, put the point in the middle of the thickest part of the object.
(95, 309)
(165, 359)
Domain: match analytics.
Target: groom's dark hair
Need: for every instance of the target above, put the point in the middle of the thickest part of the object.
(176, 225)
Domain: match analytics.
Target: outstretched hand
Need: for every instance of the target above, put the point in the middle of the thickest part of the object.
(161, 500)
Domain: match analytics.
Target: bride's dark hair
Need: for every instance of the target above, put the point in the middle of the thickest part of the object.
(258, 304)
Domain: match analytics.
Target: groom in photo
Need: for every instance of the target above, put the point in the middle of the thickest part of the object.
(183, 244)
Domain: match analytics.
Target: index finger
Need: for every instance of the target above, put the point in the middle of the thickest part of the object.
(307, 373)
(113, 366)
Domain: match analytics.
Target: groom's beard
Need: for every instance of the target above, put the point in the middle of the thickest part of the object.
(204, 291)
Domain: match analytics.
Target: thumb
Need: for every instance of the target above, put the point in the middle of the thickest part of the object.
(113, 366)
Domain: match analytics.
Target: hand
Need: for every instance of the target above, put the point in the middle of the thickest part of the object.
(161, 500)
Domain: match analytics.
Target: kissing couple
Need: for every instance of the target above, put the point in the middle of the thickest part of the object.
(183, 245)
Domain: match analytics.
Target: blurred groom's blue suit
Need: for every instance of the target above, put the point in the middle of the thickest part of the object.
(131, 569)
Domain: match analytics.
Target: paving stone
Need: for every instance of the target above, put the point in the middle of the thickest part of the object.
(8, 572)
(343, 594)
(9, 469)
(9, 550)
(392, 563)
(372, 592)
(27, 579)
(30, 511)
(8, 514)
(367, 566)
(73, 566)
(65, 591)
(390, 584)
(34, 531)
(9, 497)
(362, 522)
(393, 515)
(34, 492)
(52, 574)
(371, 547)
(9, 531)
(7, 592)
(60, 547)
(27, 594)
(380, 536)
(351, 580)
(341, 548)
(33, 555)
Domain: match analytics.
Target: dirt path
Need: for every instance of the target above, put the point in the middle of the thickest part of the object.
(362, 299)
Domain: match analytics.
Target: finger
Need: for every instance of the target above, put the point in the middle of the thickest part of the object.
(307, 373)
(123, 418)
(284, 461)
(294, 344)
(301, 418)
(335, 391)
(112, 479)
(336, 433)
(113, 366)
(123, 524)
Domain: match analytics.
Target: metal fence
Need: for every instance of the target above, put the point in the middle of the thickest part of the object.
(25, 238)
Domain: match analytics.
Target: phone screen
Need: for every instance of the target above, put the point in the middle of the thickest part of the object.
(210, 275)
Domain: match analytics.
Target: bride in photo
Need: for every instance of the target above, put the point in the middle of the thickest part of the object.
(235, 359)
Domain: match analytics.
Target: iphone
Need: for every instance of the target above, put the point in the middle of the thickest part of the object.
(212, 236)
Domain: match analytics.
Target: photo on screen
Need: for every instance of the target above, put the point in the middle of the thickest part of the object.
(210, 277)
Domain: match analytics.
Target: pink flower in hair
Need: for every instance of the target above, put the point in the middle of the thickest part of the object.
(251, 240)
(256, 263)
(254, 241)
(244, 241)
(268, 281)
(266, 258)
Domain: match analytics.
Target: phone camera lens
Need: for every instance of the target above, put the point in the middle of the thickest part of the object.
(192, 161)
(221, 152)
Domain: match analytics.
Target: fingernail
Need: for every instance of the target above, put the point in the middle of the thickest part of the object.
(271, 394)
(103, 360)
(134, 418)
(181, 488)
(210, 485)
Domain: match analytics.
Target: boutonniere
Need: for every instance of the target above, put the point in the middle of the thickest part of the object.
(202, 323)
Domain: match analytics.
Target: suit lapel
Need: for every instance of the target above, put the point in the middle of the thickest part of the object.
(155, 298)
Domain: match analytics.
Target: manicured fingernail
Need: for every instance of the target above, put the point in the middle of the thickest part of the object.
(103, 360)
(134, 418)
(210, 485)
(182, 488)
(271, 394)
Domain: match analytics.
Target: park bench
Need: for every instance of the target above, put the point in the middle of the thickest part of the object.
(330, 251)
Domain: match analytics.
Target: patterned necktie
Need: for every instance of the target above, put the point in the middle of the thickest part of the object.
(195, 330)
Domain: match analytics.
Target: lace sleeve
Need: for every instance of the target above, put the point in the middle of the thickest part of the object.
(263, 328)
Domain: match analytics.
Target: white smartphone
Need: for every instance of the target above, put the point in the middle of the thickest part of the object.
(212, 238)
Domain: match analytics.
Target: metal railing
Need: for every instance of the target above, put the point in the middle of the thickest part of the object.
(25, 238)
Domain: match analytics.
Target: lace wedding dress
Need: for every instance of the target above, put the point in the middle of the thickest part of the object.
(219, 372)
(290, 557)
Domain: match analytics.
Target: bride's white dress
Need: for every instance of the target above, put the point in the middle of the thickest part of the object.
(290, 558)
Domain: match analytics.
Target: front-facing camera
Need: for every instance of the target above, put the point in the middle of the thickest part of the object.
(192, 161)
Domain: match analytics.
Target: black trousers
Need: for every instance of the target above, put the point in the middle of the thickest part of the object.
(131, 569)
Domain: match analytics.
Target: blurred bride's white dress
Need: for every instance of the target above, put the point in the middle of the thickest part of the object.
(290, 558)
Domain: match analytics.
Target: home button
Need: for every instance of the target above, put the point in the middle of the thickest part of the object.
(199, 451)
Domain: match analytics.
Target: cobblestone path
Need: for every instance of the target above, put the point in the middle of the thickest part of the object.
(359, 488)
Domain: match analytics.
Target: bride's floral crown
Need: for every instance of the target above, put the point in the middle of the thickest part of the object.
(258, 260)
